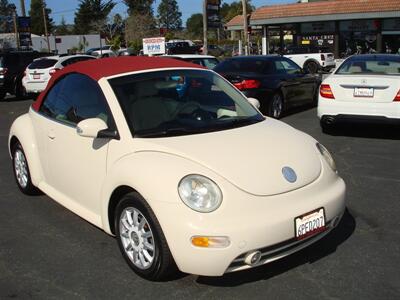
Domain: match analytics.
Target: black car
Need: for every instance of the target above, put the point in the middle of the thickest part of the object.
(181, 48)
(12, 68)
(276, 82)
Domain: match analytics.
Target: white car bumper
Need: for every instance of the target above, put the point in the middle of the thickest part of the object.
(34, 87)
(332, 107)
(253, 223)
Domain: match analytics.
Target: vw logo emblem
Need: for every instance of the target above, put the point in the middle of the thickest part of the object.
(289, 174)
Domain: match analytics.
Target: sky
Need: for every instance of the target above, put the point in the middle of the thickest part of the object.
(67, 8)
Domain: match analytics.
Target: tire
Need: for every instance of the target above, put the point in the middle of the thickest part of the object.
(312, 67)
(326, 127)
(145, 250)
(20, 91)
(276, 106)
(2, 95)
(21, 171)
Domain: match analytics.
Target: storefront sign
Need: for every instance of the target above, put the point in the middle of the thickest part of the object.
(213, 17)
(24, 32)
(154, 46)
(318, 27)
(359, 25)
(391, 25)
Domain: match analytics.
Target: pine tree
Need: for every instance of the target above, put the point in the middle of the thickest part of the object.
(63, 29)
(139, 7)
(92, 15)
(6, 9)
(194, 26)
(36, 13)
(169, 16)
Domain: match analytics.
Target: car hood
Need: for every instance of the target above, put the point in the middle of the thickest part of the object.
(250, 157)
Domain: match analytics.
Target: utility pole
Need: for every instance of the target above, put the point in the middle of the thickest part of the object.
(245, 28)
(205, 42)
(15, 26)
(23, 8)
(45, 26)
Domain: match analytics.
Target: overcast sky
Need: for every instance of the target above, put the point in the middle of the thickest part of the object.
(67, 8)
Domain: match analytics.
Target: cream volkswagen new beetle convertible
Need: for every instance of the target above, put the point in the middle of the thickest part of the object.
(177, 164)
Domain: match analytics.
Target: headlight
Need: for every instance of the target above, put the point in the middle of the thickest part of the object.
(200, 193)
(328, 157)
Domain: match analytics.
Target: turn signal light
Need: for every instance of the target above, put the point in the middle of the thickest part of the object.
(247, 84)
(325, 91)
(210, 241)
(397, 98)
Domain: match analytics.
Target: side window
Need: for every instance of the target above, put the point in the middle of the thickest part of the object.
(290, 67)
(75, 98)
(68, 62)
(279, 67)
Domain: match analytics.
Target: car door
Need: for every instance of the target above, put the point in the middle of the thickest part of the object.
(289, 84)
(76, 166)
(305, 83)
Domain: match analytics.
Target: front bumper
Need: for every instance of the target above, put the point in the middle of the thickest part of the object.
(251, 223)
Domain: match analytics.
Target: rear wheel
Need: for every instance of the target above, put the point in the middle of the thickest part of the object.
(327, 125)
(21, 171)
(312, 67)
(20, 91)
(2, 95)
(141, 240)
(275, 106)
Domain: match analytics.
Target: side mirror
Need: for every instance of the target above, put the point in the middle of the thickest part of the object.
(254, 102)
(91, 127)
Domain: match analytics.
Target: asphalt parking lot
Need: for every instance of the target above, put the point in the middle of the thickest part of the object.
(48, 252)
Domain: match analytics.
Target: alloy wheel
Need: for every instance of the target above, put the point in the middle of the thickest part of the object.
(21, 168)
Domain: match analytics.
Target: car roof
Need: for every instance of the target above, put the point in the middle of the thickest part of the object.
(249, 57)
(111, 66)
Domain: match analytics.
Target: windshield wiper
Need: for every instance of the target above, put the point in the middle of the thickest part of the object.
(173, 131)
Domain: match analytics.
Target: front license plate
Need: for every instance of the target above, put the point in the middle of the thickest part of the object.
(310, 223)
(363, 92)
(36, 76)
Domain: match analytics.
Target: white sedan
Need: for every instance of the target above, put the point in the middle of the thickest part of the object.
(363, 87)
(175, 162)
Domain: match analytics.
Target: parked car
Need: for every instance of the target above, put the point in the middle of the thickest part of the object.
(363, 87)
(207, 61)
(312, 59)
(277, 82)
(12, 67)
(181, 48)
(91, 50)
(215, 50)
(39, 72)
(169, 174)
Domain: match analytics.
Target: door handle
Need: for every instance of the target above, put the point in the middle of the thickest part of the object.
(51, 135)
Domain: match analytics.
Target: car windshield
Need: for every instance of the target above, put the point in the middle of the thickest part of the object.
(181, 102)
(209, 63)
(386, 65)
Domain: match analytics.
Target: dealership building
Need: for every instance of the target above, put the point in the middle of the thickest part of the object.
(343, 27)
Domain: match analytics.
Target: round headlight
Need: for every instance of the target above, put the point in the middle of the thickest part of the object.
(200, 193)
(328, 157)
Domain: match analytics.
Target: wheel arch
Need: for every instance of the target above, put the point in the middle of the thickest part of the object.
(22, 131)
(311, 60)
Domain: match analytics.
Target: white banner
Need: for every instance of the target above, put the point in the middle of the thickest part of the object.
(154, 46)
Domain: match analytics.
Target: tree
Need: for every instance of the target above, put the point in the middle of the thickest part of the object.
(62, 29)
(194, 26)
(169, 16)
(36, 13)
(6, 20)
(92, 15)
(228, 11)
(139, 7)
(115, 27)
(6, 9)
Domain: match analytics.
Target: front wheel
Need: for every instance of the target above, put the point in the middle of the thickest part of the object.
(312, 67)
(275, 107)
(21, 171)
(141, 240)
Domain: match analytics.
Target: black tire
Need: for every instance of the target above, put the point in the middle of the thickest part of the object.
(326, 127)
(2, 95)
(20, 91)
(312, 67)
(276, 106)
(19, 162)
(163, 266)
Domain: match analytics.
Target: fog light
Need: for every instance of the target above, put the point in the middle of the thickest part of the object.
(253, 258)
(210, 241)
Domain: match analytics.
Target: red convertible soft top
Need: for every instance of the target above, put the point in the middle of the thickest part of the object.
(105, 67)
